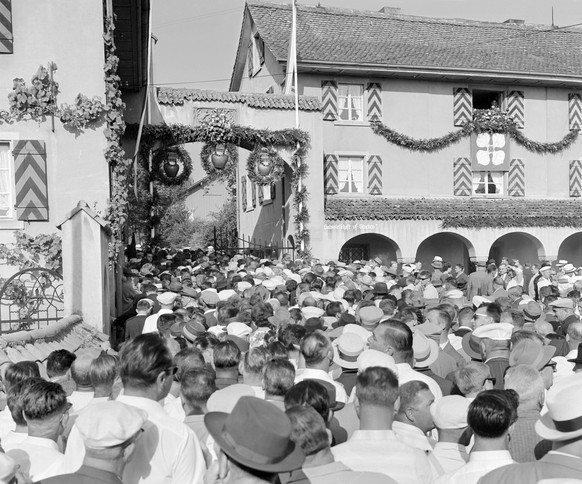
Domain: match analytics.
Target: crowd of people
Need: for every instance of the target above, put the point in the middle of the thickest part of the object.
(237, 369)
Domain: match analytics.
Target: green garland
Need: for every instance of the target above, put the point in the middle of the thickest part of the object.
(116, 212)
(248, 138)
(491, 120)
(277, 166)
(160, 158)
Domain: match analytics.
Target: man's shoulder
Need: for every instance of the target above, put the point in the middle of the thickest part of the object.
(511, 473)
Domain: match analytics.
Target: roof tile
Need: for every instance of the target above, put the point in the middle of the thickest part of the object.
(173, 96)
(461, 212)
(393, 40)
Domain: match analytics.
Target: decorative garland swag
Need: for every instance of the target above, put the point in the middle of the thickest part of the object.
(491, 121)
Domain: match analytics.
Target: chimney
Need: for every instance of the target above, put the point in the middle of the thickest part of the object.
(390, 10)
(517, 21)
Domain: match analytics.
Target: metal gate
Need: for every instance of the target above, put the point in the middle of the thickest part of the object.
(229, 243)
(31, 299)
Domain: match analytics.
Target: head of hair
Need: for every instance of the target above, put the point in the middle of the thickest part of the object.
(517, 318)
(309, 393)
(333, 308)
(103, 370)
(492, 412)
(144, 304)
(14, 399)
(424, 274)
(498, 281)
(526, 380)
(42, 400)
(165, 322)
(316, 347)
(59, 362)
(515, 291)
(524, 334)
(493, 310)
(397, 335)
(278, 377)
(205, 341)
(142, 359)
(291, 335)
(443, 317)
(470, 377)
(188, 359)
(255, 359)
(226, 355)
(574, 331)
(80, 369)
(387, 305)
(408, 393)
(261, 313)
(308, 429)
(277, 350)
(377, 386)
(465, 316)
(18, 372)
(196, 386)
(226, 312)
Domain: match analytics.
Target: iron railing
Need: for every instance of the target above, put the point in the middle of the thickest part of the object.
(30, 299)
(228, 242)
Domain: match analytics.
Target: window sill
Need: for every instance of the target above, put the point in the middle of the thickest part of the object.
(267, 202)
(352, 123)
(490, 196)
(11, 224)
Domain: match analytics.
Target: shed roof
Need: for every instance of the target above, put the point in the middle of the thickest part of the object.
(363, 38)
(460, 212)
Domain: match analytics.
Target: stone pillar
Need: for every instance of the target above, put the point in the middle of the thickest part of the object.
(88, 282)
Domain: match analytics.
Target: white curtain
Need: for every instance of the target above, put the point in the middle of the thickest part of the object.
(357, 95)
(5, 182)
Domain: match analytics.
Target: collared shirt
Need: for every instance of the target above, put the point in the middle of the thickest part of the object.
(174, 409)
(382, 451)
(85, 475)
(13, 439)
(554, 465)
(316, 374)
(406, 374)
(167, 453)
(480, 463)
(151, 323)
(450, 456)
(412, 436)
(37, 456)
(80, 400)
(337, 472)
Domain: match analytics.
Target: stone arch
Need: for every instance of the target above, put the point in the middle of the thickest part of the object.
(518, 245)
(571, 249)
(452, 247)
(368, 246)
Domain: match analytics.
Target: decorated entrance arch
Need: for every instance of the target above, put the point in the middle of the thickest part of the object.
(219, 157)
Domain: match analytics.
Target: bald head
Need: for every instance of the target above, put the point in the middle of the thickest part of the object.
(574, 333)
(80, 369)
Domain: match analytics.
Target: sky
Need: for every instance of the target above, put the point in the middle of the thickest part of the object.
(197, 39)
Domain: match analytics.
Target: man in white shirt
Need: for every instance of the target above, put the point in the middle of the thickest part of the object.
(450, 418)
(166, 300)
(169, 451)
(414, 420)
(375, 446)
(45, 410)
(395, 339)
(490, 416)
(251, 369)
(564, 367)
(317, 351)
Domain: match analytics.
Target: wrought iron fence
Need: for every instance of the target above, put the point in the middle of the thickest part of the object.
(30, 299)
(228, 242)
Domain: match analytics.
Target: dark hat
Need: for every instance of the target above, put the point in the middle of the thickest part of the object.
(313, 324)
(257, 435)
(532, 311)
(380, 288)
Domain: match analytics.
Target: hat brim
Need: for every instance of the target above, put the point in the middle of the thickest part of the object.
(214, 422)
(432, 357)
(467, 347)
(337, 359)
(546, 429)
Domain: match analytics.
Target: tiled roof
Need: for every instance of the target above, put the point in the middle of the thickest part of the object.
(460, 212)
(254, 100)
(363, 38)
(69, 333)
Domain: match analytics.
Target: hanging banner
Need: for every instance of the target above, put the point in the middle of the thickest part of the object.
(490, 152)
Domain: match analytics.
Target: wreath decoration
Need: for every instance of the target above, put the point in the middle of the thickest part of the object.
(180, 156)
(273, 161)
(230, 167)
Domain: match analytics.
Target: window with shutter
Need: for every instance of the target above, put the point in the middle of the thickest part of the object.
(243, 192)
(6, 39)
(30, 180)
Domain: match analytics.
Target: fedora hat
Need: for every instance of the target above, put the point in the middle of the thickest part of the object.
(346, 350)
(563, 420)
(256, 434)
(472, 346)
(528, 352)
(426, 351)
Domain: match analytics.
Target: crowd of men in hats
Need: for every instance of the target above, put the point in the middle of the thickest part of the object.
(246, 370)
